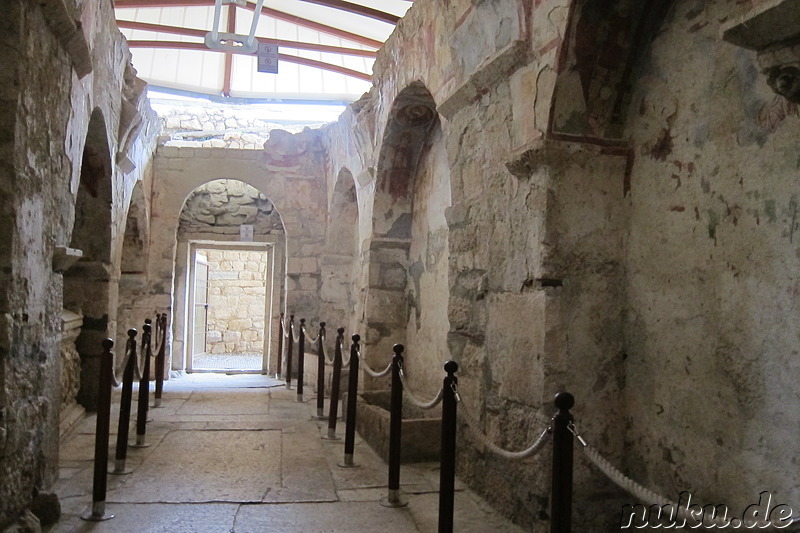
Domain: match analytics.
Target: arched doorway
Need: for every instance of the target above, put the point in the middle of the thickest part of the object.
(88, 283)
(229, 278)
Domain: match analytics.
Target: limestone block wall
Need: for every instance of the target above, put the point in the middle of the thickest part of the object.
(236, 290)
(46, 106)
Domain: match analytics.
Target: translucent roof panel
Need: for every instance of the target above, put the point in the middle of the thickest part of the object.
(326, 47)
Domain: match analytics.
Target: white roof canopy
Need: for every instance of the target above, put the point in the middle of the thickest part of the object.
(326, 47)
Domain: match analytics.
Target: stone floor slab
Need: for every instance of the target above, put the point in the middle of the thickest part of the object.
(341, 517)
(207, 466)
(160, 518)
(236, 402)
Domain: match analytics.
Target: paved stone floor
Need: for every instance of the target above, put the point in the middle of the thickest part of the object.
(238, 453)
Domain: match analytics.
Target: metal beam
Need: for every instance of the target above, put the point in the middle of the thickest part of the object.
(226, 79)
(358, 9)
(310, 24)
(274, 13)
(297, 45)
(176, 45)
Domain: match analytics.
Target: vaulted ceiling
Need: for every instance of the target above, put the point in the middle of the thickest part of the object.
(325, 47)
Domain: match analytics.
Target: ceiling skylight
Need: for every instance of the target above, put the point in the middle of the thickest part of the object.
(326, 47)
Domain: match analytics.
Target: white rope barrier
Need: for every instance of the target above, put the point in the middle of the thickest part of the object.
(368, 370)
(295, 336)
(413, 399)
(309, 338)
(329, 360)
(530, 451)
(345, 362)
(684, 515)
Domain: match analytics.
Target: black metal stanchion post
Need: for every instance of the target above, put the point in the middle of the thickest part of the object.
(336, 379)
(144, 389)
(447, 472)
(301, 357)
(125, 405)
(98, 512)
(352, 391)
(280, 347)
(561, 491)
(289, 349)
(395, 425)
(321, 371)
(161, 320)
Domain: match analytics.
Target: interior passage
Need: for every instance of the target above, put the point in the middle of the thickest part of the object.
(238, 453)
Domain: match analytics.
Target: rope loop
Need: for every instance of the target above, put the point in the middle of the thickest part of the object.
(345, 362)
(413, 399)
(312, 340)
(684, 515)
(530, 451)
(368, 370)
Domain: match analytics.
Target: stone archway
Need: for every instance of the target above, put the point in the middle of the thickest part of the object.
(407, 295)
(289, 172)
(238, 236)
(88, 283)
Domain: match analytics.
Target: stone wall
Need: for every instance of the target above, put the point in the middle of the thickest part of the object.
(237, 287)
(712, 281)
(602, 207)
(47, 102)
(222, 206)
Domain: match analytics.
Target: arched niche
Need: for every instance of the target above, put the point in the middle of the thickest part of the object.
(133, 305)
(340, 264)
(87, 284)
(598, 62)
(408, 255)
(214, 254)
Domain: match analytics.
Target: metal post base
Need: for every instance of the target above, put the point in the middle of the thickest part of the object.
(97, 514)
(157, 402)
(299, 398)
(140, 442)
(119, 468)
(393, 499)
(321, 414)
(348, 461)
(331, 435)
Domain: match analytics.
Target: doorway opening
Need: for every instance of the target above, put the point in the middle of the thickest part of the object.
(221, 224)
(230, 294)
